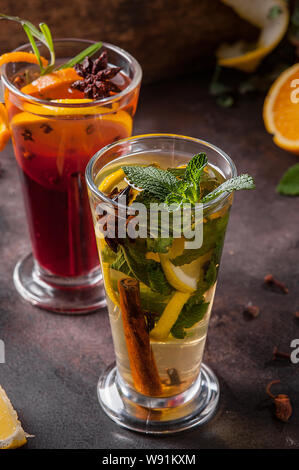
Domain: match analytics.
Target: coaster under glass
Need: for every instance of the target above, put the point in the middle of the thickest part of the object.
(131, 410)
(74, 295)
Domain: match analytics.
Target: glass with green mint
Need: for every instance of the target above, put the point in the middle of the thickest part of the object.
(160, 206)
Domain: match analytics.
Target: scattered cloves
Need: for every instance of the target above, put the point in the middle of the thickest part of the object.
(280, 354)
(271, 281)
(252, 310)
(283, 407)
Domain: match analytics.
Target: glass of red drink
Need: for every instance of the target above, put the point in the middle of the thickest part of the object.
(54, 138)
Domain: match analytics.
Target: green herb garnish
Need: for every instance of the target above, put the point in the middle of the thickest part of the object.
(289, 183)
(178, 188)
(43, 34)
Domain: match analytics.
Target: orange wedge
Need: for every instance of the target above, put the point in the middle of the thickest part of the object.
(11, 433)
(4, 129)
(281, 110)
(19, 56)
(52, 85)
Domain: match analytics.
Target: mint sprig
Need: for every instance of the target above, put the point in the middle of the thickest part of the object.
(233, 184)
(155, 181)
(43, 34)
(289, 183)
(178, 187)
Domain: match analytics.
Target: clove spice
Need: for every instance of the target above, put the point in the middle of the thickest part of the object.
(270, 280)
(280, 354)
(252, 310)
(283, 407)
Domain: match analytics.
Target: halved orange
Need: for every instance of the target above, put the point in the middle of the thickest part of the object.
(281, 110)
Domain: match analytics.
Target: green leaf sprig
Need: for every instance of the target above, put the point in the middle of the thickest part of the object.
(43, 34)
(179, 185)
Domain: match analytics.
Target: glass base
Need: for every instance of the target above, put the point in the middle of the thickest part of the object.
(148, 415)
(64, 295)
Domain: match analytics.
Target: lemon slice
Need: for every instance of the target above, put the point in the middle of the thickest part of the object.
(169, 316)
(183, 278)
(111, 181)
(11, 433)
(108, 284)
(4, 129)
(240, 55)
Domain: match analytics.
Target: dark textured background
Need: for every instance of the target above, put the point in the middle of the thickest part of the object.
(53, 362)
(168, 37)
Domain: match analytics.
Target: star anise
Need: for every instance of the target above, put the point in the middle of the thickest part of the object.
(97, 76)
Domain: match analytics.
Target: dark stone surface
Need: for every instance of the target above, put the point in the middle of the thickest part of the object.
(53, 362)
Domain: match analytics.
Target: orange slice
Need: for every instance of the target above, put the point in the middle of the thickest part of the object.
(281, 110)
(247, 57)
(52, 85)
(20, 56)
(57, 141)
(4, 129)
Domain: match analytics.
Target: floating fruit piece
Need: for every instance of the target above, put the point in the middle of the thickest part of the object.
(111, 181)
(169, 316)
(108, 284)
(177, 247)
(52, 85)
(183, 278)
(273, 27)
(52, 142)
(281, 110)
(19, 56)
(11, 433)
(4, 128)
(153, 256)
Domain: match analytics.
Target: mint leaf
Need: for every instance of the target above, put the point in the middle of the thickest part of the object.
(155, 181)
(145, 270)
(213, 237)
(233, 184)
(178, 172)
(195, 168)
(159, 244)
(120, 264)
(289, 183)
(147, 199)
(188, 189)
(193, 311)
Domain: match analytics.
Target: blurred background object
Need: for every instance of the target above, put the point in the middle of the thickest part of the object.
(168, 37)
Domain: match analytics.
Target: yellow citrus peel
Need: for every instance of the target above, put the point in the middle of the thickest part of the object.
(11, 433)
(272, 27)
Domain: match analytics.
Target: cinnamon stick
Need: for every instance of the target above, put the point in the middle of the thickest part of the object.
(142, 362)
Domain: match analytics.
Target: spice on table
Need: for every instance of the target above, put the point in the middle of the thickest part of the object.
(271, 281)
(252, 310)
(297, 314)
(280, 354)
(283, 407)
(142, 362)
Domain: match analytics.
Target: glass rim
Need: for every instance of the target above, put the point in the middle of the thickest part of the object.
(95, 190)
(103, 101)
